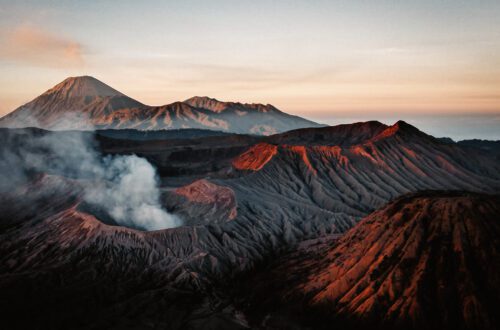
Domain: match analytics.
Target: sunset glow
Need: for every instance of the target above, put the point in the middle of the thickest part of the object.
(321, 59)
(250, 164)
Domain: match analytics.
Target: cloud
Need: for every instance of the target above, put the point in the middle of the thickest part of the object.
(29, 44)
(122, 188)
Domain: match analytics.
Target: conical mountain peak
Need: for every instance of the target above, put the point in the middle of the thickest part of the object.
(401, 128)
(82, 86)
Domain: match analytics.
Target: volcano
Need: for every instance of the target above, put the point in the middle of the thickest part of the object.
(246, 201)
(75, 103)
(87, 103)
(424, 261)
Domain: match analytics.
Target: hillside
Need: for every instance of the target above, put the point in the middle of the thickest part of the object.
(86, 103)
(242, 200)
(424, 261)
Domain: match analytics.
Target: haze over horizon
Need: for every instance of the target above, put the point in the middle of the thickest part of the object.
(433, 64)
(250, 164)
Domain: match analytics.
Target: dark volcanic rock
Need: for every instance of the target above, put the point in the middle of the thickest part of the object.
(424, 261)
(63, 267)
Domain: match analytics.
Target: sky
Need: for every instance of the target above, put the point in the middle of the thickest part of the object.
(435, 63)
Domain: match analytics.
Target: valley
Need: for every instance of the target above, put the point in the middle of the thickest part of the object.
(243, 200)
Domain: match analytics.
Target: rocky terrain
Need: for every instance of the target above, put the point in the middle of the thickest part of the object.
(243, 200)
(87, 103)
(425, 261)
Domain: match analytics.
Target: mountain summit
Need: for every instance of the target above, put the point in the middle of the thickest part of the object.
(206, 102)
(86, 103)
(75, 103)
(215, 105)
(83, 86)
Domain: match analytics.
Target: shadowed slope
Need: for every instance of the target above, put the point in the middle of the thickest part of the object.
(347, 134)
(425, 261)
(65, 269)
(235, 218)
(342, 183)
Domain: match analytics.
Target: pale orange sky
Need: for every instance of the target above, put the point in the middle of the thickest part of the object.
(311, 59)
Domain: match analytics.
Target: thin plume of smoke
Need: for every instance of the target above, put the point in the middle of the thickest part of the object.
(124, 187)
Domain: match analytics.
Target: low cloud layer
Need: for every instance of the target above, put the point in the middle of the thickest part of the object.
(123, 188)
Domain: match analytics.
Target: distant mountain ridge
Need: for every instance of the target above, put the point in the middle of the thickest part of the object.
(490, 147)
(86, 103)
(215, 105)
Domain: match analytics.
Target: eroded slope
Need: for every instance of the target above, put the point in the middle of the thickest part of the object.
(425, 261)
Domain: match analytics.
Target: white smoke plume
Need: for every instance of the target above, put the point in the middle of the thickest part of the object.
(131, 196)
(124, 187)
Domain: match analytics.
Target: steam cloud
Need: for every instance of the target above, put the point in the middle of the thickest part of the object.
(124, 187)
(132, 197)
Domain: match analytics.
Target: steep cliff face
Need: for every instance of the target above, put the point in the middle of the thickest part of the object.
(424, 261)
